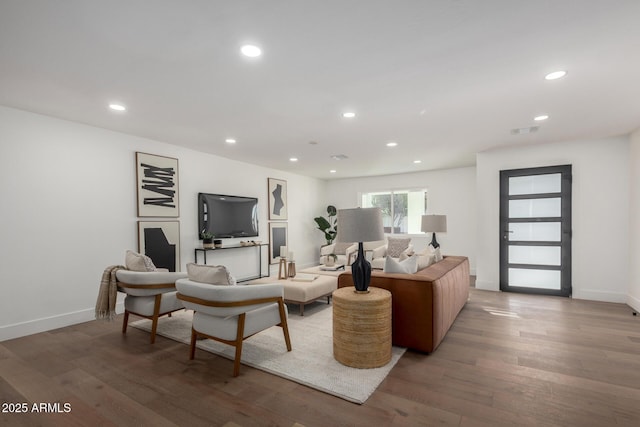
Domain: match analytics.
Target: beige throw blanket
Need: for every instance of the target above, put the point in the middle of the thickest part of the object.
(107, 295)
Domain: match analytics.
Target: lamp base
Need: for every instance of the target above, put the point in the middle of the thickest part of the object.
(361, 271)
(434, 242)
(361, 292)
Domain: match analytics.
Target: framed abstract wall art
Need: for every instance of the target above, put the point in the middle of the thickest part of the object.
(157, 186)
(160, 241)
(277, 199)
(278, 238)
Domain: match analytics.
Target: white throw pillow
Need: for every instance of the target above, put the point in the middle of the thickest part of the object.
(409, 265)
(424, 261)
(435, 252)
(138, 262)
(212, 274)
(395, 246)
(341, 248)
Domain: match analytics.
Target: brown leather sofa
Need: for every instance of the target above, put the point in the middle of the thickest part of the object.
(424, 304)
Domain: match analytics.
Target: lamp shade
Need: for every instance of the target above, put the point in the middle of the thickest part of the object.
(434, 223)
(360, 225)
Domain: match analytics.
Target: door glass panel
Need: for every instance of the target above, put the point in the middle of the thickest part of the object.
(534, 231)
(540, 255)
(535, 184)
(529, 278)
(535, 208)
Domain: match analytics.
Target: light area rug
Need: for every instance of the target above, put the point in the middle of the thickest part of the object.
(310, 362)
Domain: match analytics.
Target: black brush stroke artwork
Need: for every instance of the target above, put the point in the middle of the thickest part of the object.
(159, 180)
(278, 203)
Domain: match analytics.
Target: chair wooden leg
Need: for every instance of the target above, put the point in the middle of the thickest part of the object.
(284, 324)
(125, 322)
(192, 350)
(238, 345)
(154, 320)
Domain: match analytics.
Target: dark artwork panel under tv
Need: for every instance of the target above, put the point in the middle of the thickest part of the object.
(227, 216)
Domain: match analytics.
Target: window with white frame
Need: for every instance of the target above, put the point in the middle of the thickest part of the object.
(402, 210)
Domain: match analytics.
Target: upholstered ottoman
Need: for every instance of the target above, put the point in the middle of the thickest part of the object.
(304, 292)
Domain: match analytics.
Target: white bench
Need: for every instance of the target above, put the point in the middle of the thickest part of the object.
(303, 293)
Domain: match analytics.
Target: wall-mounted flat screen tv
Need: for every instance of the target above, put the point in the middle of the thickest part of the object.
(227, 216)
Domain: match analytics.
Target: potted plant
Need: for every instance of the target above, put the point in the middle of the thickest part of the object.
(330, 260)
(207, 239)
(328, 225)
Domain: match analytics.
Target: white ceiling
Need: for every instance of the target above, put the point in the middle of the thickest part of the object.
(445, 79)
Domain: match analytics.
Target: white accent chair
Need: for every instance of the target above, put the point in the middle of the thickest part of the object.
(346, 259)
(231, 314)
(380, 253)
(150, 294)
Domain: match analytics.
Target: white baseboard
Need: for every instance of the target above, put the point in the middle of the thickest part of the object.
(30, 327)
(634, 303)
(487, 286)
(599, 295)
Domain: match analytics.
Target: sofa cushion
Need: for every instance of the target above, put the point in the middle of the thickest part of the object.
(408, 265)
(396, 246)
(138, 262)
(212, 274)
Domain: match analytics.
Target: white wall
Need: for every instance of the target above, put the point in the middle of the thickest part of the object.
(600, 264)
(69, 210)
(451, 192)
(634, 223)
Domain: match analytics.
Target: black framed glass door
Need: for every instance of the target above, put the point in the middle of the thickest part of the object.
(535, 230)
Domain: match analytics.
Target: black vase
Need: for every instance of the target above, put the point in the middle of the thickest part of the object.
(361, 271)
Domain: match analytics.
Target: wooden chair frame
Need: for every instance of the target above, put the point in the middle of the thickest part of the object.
(237, 343)
(156, 306)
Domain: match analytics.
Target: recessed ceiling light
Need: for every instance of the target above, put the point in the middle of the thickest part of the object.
(230, 141)
(293, 159)
(556, 75)
(251, 51)
(349, 115)
(417, 161)
(541, 117)
(117, 107)
(332, 171)
(392, 144)
(339, 157)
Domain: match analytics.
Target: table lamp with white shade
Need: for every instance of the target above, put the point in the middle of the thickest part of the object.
(360, 225)
(433, 224)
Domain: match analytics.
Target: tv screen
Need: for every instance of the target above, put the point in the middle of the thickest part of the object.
(227, 216)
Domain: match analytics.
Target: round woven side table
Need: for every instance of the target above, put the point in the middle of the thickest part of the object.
(362, 327)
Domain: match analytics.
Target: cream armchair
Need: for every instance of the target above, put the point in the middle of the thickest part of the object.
(231, 314)
(345, 258)
(380, 253)
(150, 294)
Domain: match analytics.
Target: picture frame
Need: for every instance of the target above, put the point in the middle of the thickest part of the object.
(278, 206)
(160, 241)
(157, 186)
(278, 237)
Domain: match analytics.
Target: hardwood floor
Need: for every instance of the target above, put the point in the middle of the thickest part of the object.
(508, 360)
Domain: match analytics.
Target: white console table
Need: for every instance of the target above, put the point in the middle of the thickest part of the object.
(223, 248)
